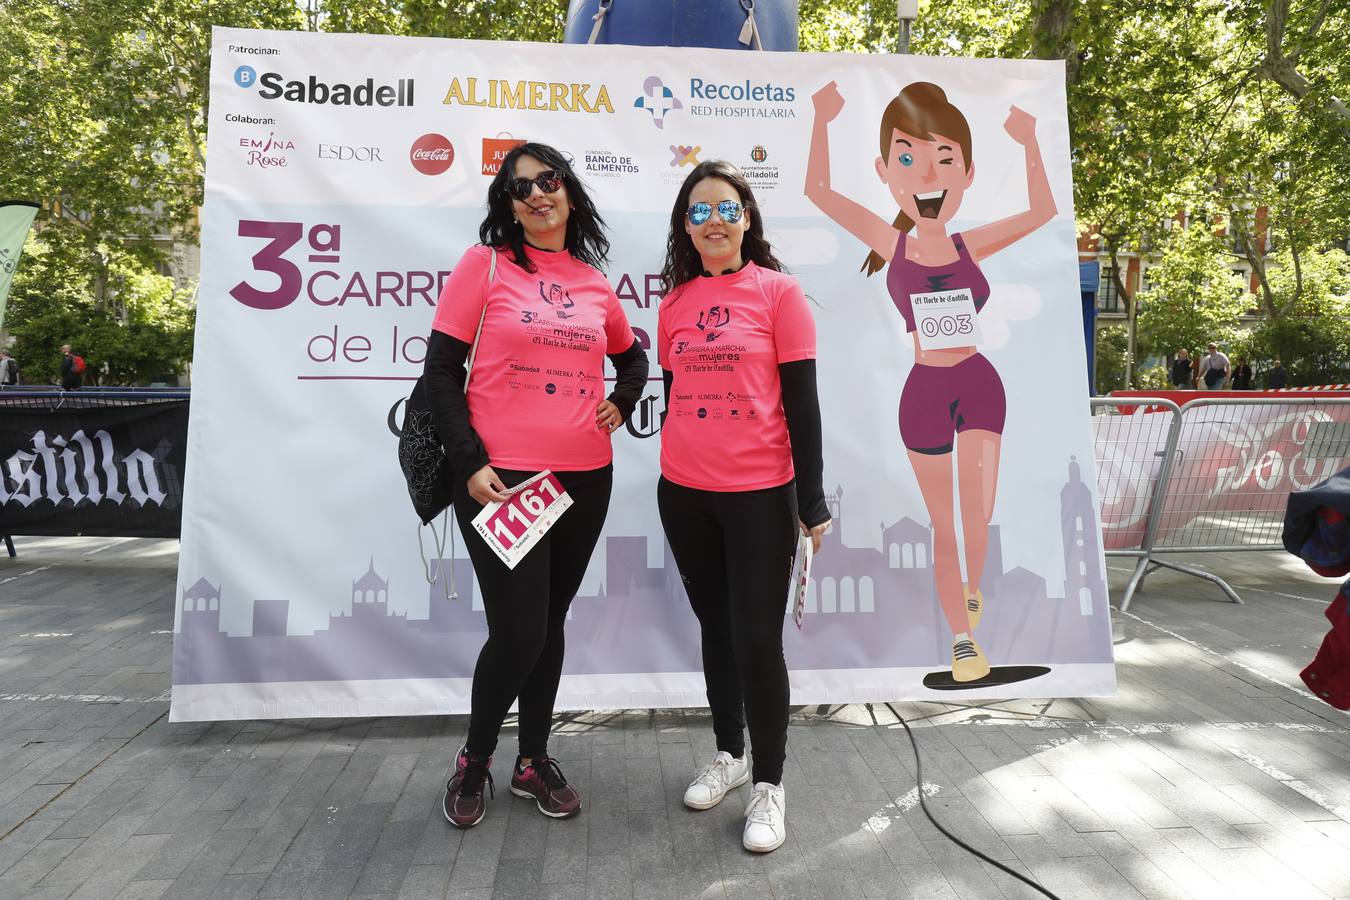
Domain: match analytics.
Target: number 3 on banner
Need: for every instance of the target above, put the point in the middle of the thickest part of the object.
(282, 237)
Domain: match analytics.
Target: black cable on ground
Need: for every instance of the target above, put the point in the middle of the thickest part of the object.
(918, 778)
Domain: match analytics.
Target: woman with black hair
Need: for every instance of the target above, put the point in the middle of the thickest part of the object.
(543, 316)
(741, 472)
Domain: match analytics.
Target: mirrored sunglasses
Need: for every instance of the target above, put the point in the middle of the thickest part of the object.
(728, 210)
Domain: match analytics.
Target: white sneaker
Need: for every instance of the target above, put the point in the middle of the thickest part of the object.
(721, 775)
(765, 829)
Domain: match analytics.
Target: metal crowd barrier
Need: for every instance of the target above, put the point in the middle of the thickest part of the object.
(1212, 475)
(44, 397)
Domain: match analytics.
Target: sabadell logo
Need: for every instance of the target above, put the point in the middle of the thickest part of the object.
(274, 86)
(432, 154)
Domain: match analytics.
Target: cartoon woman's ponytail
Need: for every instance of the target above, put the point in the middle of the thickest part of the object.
(874, 262)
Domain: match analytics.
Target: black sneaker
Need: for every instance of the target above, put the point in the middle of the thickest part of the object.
(464, 805)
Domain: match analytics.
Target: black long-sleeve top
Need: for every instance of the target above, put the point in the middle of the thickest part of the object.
(445, 372)
(801, 409)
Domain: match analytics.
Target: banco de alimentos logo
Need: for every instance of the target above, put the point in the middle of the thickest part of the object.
(658, 100)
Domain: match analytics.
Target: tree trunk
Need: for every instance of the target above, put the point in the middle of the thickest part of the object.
(1280, 68)
(1130, 312)
(1052, 35)
(1257, 261)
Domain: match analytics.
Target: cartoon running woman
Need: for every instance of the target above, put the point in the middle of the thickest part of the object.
(953, 400)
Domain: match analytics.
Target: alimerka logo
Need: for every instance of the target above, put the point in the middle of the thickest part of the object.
(499, 93)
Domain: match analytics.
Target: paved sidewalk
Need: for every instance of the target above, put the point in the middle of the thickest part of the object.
(1213, 774)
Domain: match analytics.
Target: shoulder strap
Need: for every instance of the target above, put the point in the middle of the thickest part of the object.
(473, 350)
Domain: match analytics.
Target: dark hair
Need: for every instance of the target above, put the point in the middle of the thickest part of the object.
(921, 109)
(682, 259)
(585, 240)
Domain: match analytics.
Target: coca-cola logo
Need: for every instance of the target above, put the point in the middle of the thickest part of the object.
(432, 154)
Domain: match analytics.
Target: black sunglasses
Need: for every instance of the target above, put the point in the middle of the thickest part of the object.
(548, 181)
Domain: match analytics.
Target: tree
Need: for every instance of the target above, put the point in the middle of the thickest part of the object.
(1229, 107)
(1194, 297)
(143, 333)
(104, 108)
(1312, 338)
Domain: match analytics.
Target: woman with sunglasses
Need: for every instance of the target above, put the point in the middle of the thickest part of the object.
(548, 319)
(741, 472)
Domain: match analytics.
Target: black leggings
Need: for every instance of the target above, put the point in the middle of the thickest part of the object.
(734, 550)
(526, 608)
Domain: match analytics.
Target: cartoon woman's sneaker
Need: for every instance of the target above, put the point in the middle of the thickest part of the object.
(968, 662)
(974, 607)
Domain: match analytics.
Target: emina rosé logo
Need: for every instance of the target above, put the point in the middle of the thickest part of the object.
(432, 154)
(267, 153)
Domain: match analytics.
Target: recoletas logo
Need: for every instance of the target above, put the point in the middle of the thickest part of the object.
(275, 86)
(744, 100)
(658, 100)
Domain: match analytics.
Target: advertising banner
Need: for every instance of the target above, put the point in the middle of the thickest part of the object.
(114, 470)
(346, 176)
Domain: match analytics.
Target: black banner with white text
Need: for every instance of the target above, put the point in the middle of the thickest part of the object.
(109, 471)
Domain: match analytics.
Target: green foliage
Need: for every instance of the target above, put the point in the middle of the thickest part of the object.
(1194, 297)
(490, 20)
(142, 332)
(861, 26)
(1208, 104)
(1312, 339)
(1152, 378)
(1112, 348)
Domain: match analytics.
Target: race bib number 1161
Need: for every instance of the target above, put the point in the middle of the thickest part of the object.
(512, 528)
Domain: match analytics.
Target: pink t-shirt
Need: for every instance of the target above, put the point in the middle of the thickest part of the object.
(723, 338)
(539, 371)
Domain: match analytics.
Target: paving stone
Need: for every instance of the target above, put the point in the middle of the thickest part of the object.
(1201, 779)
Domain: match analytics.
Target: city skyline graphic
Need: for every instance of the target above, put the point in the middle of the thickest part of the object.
(866, 607)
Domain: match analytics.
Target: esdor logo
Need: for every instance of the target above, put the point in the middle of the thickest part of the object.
(432, 154)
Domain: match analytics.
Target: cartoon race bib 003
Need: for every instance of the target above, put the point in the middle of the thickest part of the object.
(946, 319)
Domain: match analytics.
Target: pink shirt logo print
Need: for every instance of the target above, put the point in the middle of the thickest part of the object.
(559, 298)
(711, 320)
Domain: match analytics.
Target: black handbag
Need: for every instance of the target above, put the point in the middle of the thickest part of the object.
(421, 454)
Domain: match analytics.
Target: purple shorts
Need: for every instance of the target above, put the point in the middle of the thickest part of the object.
(940, 402)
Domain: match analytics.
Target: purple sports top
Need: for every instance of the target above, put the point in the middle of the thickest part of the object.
(905, 277)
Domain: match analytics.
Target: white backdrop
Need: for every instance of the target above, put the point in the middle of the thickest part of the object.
(326, 231)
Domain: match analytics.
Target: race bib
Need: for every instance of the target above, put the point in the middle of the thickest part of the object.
(945, 319)
(800, 578)
(513, 527)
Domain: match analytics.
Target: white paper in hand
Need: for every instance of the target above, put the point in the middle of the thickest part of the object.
(801, 575)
